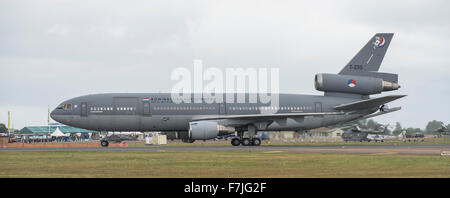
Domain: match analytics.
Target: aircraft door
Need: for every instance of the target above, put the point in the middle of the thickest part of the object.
(222, 109)
(318, 107)
(83, 109)
(146, 108)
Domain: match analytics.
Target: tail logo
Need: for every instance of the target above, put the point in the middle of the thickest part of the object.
(351, 83)
(379, 42)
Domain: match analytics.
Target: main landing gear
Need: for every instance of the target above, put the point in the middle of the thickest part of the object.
(252, 141)
(246, 142)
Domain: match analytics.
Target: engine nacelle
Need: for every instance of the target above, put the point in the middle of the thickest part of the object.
(205, 130)
(363, 85)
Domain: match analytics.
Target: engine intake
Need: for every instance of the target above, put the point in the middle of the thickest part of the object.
(363, 85)
(205, 130)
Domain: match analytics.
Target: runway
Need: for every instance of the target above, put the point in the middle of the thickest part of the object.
(416, 149)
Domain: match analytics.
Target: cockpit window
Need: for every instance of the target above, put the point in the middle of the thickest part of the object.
(67, 106)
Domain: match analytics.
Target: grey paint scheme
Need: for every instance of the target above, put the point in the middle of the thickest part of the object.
(338, 83)
(369, 58)
(330, 109)
(178, 120)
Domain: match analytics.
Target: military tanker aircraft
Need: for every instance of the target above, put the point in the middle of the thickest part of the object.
(346, 98)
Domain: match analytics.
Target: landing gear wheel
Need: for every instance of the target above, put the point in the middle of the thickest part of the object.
(245, 142)
(104, 143)
(235, 141)
(256, 142)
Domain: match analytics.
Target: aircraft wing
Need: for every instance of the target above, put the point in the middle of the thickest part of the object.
(266, 116)
(367, 104)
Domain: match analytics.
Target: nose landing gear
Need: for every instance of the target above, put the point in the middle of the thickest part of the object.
(104, 143)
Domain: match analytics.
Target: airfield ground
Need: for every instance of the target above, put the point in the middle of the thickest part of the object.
(209, 164)
(219, 159)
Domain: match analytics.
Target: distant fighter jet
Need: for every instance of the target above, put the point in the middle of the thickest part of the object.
(443, 130)
(346, 98)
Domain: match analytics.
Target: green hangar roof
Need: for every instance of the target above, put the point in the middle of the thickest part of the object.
(51, 129)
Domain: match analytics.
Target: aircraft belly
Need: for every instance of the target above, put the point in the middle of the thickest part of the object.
(165, 123)
(310, 122)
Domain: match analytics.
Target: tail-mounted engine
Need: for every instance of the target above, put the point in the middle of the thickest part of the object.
(364, 85)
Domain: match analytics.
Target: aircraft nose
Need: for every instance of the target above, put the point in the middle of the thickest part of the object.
(54, 115)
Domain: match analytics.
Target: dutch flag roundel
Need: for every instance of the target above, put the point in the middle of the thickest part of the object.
(351, 83)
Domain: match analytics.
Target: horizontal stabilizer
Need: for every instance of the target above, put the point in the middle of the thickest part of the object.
(367, 104)
(381, 113)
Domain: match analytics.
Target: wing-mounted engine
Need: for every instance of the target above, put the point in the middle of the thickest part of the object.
(205, 130)
(363, 85)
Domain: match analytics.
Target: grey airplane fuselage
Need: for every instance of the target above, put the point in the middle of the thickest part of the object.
(157, 112)
(346, 98)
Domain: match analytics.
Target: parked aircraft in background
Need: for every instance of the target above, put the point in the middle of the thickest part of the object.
(443, 130)
(346, 98)
(384, 137)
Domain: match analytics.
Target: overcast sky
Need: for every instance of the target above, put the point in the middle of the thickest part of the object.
(51, 51)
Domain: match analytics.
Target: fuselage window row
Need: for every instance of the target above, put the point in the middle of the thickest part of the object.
(202, 108)
(110, 108)
(183, 108)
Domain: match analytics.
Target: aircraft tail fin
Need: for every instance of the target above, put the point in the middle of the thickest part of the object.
(369, 58)
(360, 78)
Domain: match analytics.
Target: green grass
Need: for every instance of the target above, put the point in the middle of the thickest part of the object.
(226, 143)
(217, 164)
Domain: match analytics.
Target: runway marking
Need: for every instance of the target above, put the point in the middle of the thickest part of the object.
(385, 153)
(273, 151)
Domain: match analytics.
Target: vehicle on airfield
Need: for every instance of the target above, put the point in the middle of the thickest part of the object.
(346, 98)
(117, 138)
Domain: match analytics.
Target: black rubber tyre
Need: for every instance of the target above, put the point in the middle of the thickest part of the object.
(256, 142)
(235, 141)
(246, 142)
(104, 143)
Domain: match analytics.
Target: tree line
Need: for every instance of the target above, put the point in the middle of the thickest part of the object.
(430, 128)
(365, 124)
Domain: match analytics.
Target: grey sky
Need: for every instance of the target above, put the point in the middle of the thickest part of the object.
(54, 50)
